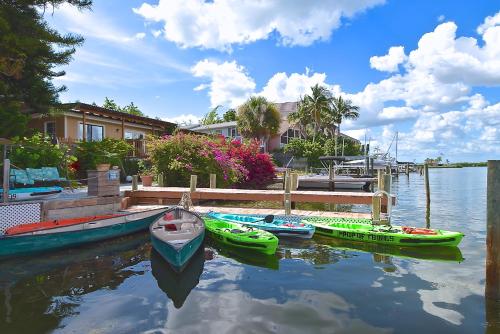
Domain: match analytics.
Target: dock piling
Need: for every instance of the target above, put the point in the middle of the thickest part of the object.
(492, 290)
(331, 178)
(6, 176)
(294, 180)
(386, 186)
(407, 170)
(380, 179)
(161, 180)
(213, 181)
(193, 182)
(287, 196)
(135, 182)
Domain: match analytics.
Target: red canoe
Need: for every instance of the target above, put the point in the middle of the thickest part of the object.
(46, 225)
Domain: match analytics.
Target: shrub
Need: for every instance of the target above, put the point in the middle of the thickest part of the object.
(260, 167)
(302, 148)
(109, 151)
(38, 151)
(234, 163)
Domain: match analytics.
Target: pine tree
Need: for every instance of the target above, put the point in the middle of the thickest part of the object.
(31, 54)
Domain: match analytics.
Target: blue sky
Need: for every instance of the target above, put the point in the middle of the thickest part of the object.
(427, 69)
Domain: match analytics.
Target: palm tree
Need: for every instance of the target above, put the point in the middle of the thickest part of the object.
(301, 119)
(342, 109)
(318, 104)
(258, 118)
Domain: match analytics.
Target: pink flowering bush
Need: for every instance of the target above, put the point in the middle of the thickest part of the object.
(235, 164)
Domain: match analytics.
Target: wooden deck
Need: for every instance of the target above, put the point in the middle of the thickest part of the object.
(250, 211)
(152, 195)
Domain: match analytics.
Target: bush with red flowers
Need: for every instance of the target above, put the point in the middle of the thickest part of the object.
(235, 163)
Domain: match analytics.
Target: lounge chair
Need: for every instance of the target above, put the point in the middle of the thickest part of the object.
(52, 174)
(20, 177)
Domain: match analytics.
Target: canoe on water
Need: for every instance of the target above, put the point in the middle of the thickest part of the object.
(31, 238)
(242, 236)
(177, 235)
(387, 235)
(268, 223)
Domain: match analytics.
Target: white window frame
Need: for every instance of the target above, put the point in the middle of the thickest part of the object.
(80, 134)
(45, 128)
(139, 133)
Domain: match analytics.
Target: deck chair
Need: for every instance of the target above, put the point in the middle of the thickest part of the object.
(35, 174)
(52, 174)
(20, 177)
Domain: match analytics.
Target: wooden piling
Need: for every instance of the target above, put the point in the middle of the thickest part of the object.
(135, 182)
(407, 170)
(371, 168)
(193, 182)
(294, 184)
(161, 180)
(6, 176)
(213, 181)
(493, 232)
(386, 186)
(427, 187)
(331, 177)
(380, 179)
(287, 196)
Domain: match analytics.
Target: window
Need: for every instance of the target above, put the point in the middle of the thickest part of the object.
(233, 132)
(129, 134)
(50, 129)
(94, 132)
(289, 135)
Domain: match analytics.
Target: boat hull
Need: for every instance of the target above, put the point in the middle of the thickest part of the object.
(278, 229)
(26, 244)
(178, 258)
(366, 234)
(256, 240)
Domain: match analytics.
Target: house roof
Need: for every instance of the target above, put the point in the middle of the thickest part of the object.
(215, 126)
(100, 111)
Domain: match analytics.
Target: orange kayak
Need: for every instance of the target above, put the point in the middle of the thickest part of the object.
(46, 225)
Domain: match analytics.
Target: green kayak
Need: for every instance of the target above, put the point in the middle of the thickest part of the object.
(241, 236)
(384, 234)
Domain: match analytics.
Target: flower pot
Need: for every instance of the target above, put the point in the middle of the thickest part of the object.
(103, 167)
(147, 180)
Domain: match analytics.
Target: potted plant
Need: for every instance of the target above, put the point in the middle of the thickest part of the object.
(146, 172)
(103, 161)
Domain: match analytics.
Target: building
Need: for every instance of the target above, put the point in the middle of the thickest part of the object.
(85, 122)
(286, 132)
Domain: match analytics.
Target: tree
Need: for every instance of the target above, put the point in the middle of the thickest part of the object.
(302, 119)
(258, 118)
(129, 109)
(229, 115)
(132, 109)
(13, 122)
(30, 53)
(317, 105)
(211, 117)
(342, 109)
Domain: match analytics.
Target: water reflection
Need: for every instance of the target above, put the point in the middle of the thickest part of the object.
(45, 290)
(245, 256)
(178, 285)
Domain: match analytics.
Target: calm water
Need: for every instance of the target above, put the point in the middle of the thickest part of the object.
(317, 286)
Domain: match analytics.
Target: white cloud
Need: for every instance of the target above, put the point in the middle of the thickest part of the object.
(398, 113)
(184, 119)
(156, 33)
(219, 24)
(389, 62)
(441, 18)
(229, 84)
(285, 88)
(489, 22)
(140, 35)
(433, 89)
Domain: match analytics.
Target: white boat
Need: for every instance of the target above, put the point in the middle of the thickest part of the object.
(322, 182)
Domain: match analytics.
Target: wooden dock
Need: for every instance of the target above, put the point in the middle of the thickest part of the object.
(256, 211)
(154, 195)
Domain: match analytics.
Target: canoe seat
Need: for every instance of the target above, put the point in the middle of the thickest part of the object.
(164, 222)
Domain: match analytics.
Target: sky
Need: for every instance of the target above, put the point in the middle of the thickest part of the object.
(427, 69)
